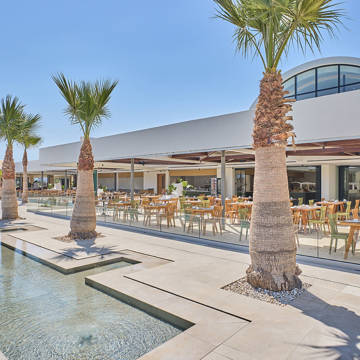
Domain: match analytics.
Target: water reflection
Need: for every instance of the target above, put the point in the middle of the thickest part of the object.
(47, 315)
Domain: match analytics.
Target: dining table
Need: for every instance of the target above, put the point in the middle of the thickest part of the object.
(339, 205)
(121, 205)
(193, 202)
(202, 211)
(306, 210)
(354, 226)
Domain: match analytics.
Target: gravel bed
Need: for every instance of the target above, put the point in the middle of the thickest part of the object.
(68, 239)
(281, 298)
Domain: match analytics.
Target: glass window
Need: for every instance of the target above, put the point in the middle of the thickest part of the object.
(349, 75)
(306, 82)
(200, 183)
(350, 87)
(349, 183)
(327, 92)
(289, 86)
(244, 179)
(303, 182)
(305, 96)
(327, 77)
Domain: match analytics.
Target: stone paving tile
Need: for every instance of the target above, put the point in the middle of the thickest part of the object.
(232, 354)
(326, 318)
(215, 356)
(327, 343)
(184, 347)
(263, 339)
(222, 331)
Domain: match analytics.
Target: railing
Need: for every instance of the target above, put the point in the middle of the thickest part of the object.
(311, 242)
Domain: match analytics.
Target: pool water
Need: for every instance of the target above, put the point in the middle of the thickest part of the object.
(47, 315)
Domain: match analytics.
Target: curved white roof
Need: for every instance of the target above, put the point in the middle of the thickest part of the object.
(333, 60)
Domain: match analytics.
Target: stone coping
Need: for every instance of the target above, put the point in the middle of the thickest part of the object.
(322, 323)
(196, 320)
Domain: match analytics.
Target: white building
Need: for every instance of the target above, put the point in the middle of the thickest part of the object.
(325, 162)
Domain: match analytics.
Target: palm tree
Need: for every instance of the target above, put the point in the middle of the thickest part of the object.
(267, 29)
(87, 106)
(11, 112)
(27, 138)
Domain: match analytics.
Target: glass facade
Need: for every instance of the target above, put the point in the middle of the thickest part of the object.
(304, 181)
(201, 184)
(244, 182)
(323, 80)
(349, 183)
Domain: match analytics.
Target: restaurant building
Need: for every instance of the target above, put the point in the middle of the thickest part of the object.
(324, 164)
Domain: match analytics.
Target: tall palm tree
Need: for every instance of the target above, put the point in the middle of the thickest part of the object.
(87, 106)
(11, 112)
(267, 29)
(27, 137)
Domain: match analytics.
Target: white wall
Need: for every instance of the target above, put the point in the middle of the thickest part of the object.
(124, 183)
(150, 180)
(329, 182)
(311, 121)
(229, 180)
(213, 133)
(108, 182)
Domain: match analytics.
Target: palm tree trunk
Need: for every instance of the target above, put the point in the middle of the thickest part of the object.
(83, 220)
(25, 191)
(9, 204)
(272, 240)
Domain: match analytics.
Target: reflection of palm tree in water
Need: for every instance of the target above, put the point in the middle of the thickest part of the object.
(343, 338)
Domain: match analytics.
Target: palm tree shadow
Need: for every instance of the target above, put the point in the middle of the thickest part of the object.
(88, 248)
(343, 337)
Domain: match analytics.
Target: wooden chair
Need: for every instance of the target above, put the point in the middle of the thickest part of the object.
(356, 207)
(205, 203)
(149, 212)
(296, 222)
(346, 213)
(190, 219)
(244, 222)
(335, 234)
(175, 202)
(215, 218)
(168, 214)
(230, 211)
(132, 212)
(321, 221)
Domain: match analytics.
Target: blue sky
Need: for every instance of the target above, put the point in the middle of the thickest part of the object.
(173, 60)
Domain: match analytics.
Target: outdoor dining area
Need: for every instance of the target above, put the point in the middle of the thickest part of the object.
(330, 226)
(201, 213)
(326, 228)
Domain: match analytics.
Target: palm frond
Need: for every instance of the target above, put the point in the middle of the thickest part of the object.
(87, 102)
(28, 127)
(266, 28)
(11, 112)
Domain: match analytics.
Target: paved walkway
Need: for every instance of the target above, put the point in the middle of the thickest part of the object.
(322, 323)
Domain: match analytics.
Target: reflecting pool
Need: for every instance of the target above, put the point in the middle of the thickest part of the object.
(47, 315)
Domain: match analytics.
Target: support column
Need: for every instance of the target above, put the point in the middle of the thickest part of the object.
(95, 180)
(223, 186)
(132, 180)
(42, 180)
(167, 179)
(65, 185)
(115, 181)
(329, 182)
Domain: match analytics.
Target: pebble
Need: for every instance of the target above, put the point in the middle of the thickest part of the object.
(281, 298)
